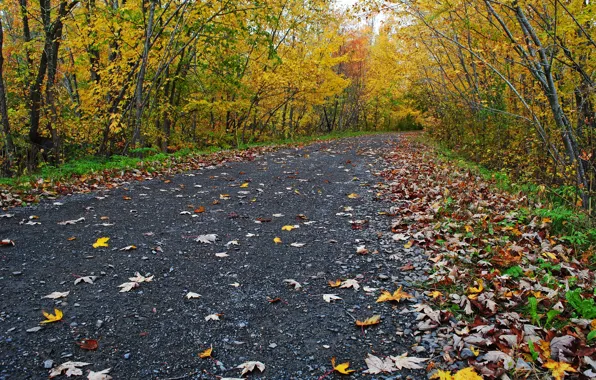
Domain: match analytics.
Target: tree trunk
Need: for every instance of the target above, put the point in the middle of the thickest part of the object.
(8, 143)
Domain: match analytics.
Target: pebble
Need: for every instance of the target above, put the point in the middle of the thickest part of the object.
(127, 355)
(48, 364)
(383, 277)
(272, 345)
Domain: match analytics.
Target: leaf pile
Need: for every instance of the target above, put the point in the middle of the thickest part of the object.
(522, 299)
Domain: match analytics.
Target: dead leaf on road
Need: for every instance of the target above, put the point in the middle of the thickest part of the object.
(293, 283)
(350, 283)
(206, 239)
(374, 320)
(377, 365)
(101, 375)
(87, 279)
(71, 368)
(250, 366)
(56, 295)
(331, 297)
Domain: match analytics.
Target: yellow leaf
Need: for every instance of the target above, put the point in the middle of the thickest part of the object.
(52, 317)
(287, 228)
(334, 284)
(435, 294)
(469, 228)
(375, 319)
(277, 240)
(206, 354)
(467, 374)
(475, 350)
(342, 368)
(558, 369)
(101, 242)
(408, 244)
(397, 296)
(353, 196)
(464, 374)
(476, 290)
(244, 185)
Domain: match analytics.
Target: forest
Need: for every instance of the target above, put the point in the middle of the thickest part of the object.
(509, 85)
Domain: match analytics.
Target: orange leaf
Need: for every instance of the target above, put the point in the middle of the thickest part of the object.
(397, 296)
(206, 354)
(375, 319)
(88, 344)
(334, 284)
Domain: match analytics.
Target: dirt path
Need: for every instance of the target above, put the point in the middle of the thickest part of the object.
(154, 331)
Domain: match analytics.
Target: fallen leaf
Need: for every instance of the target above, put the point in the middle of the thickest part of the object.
(277, 240)
(88, 344)
(74, 221)
(361, 250)
(139, 278)
(288, 228)
(334, 284)
(342, 368)
(558, 369)
(331, 297)
(213, 317)
(375, 319)
(71, 368)
(409, 244)
(101, 375)
(221, 254)
(353, 196)
(293, 283)
(50, 318)
(206, 354)
(350, 283)
(101, 242)
(298, 245)
(87, 279)
(478, 289)
(56, 295)
(191, 295)
(200, 210)
(377, 365)
(4, 242)
(247, 367)
(467, 373)
(128, 248)
(244, 185)
(397, 296)
(404, 361)
(206, 239)
(128, 286)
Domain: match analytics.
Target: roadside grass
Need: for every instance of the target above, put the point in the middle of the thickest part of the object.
(149, 158)
(571, 223)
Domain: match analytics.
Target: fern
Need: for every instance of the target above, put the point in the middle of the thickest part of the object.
(533, 352)
(585, 308)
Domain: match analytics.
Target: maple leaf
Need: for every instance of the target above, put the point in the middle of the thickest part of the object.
(353, 196)
(293, 283)
(277, 240)
(350, 284)
(101, 375)
(139, 278)
(397, 296)
(190, 295)
(334, 284)
(558, 369)
(467, 373)
(342, 368)
(375, 319)
(56, 295)
(377, 365)
(71, 368)
(478, 289)
(288, 228)
(404, 361)
(250, 366)
(206, 239)
(101, 242)
(50, 318)
(206, 354)
(128, 286)
(87, 279)
(361, 250)
(330, 297)
(244, 185)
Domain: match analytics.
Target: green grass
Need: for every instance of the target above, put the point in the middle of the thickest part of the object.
(150, 158)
